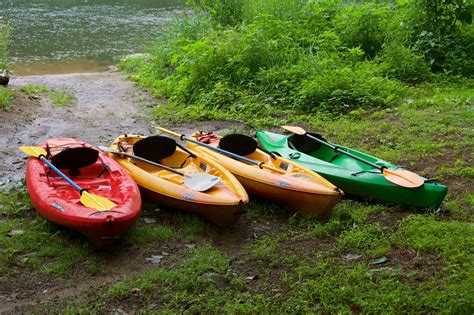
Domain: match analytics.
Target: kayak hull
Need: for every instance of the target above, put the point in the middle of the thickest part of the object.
(299, 190)
(356, 182)
(221, 215)
(57, 201)
(222, 205)
(307, 203)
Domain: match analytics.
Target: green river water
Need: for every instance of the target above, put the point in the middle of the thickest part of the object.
(62, 36)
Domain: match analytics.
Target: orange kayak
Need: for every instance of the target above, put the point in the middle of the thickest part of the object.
(222, 204)
(291, 185)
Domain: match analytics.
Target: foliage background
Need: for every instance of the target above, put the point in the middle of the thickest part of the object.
(260, 58)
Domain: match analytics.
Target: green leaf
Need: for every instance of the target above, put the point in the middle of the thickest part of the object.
(465, 17)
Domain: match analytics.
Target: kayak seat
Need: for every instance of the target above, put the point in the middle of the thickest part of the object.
(242, 145)
(304, 144)
(238, 144)
(73, 159)
(154, 148)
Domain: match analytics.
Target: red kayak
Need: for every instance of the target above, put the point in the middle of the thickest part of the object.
(94, 171)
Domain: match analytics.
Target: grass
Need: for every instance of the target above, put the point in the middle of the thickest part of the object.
(6, 98)
(62, 99)
(363, 258)
(59, 98)
(295, 263)
(34, 91)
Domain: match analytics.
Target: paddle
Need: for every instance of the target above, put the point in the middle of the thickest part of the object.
(235, 156)
(402, 178)
(194, 181)
(87, 199)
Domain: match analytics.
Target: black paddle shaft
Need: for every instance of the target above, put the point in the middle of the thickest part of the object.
(346, 153)
(172, 170)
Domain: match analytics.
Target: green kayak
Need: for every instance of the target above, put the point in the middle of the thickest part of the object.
(353, 177)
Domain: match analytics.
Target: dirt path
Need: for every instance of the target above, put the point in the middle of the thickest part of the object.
(107, 105)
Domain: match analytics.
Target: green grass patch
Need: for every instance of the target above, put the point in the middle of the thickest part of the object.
(328, 286)
(369, 239)
(6, 98)
(40, 245)
(14, 201)
(34, 90)
(452, 240)
(199, 283)
(62, 99)
(147, 233)
(459, 169)
(460, 207)
(346, 215)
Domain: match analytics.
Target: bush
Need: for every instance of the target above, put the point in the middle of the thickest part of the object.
(400, 62)
(439, 30)
(363, 26)
(4, 33)
(227, 12)
(265, 57)
(345, 89)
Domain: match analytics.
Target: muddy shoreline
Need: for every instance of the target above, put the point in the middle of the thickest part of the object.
(106, 106)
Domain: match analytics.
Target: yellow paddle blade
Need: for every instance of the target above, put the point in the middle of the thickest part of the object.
(403, 178)
(33, 151)
(295, 129)
(96, 202)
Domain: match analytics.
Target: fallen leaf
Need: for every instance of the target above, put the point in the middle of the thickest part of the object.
(15, 232)
(135, 291)
(149, 220)
(255, 277)
(154, 259)
(352, 256)
(379, 261)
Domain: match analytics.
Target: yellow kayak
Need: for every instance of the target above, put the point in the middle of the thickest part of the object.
(283, 181)
(222, 204)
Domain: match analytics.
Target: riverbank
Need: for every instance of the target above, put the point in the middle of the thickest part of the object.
(101, 106)
(363, 257)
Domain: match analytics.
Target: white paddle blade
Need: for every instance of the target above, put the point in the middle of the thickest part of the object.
(295, 129)
(107, 149)
(200, 181)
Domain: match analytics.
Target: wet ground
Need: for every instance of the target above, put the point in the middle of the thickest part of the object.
(107, 106)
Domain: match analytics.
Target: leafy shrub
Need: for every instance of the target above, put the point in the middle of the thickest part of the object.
(438, 29)
(233, 12)
(460, 49)
(342, 88)
(363, 26)
(4, 33)
(261, 57)
(403, 64)
(228, 12)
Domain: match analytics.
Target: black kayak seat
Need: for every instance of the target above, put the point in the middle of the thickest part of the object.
(154, 148)
(238, 144)
(75, 158)
(304, 144)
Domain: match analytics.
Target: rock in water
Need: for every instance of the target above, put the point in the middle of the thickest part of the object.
(4, 77)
